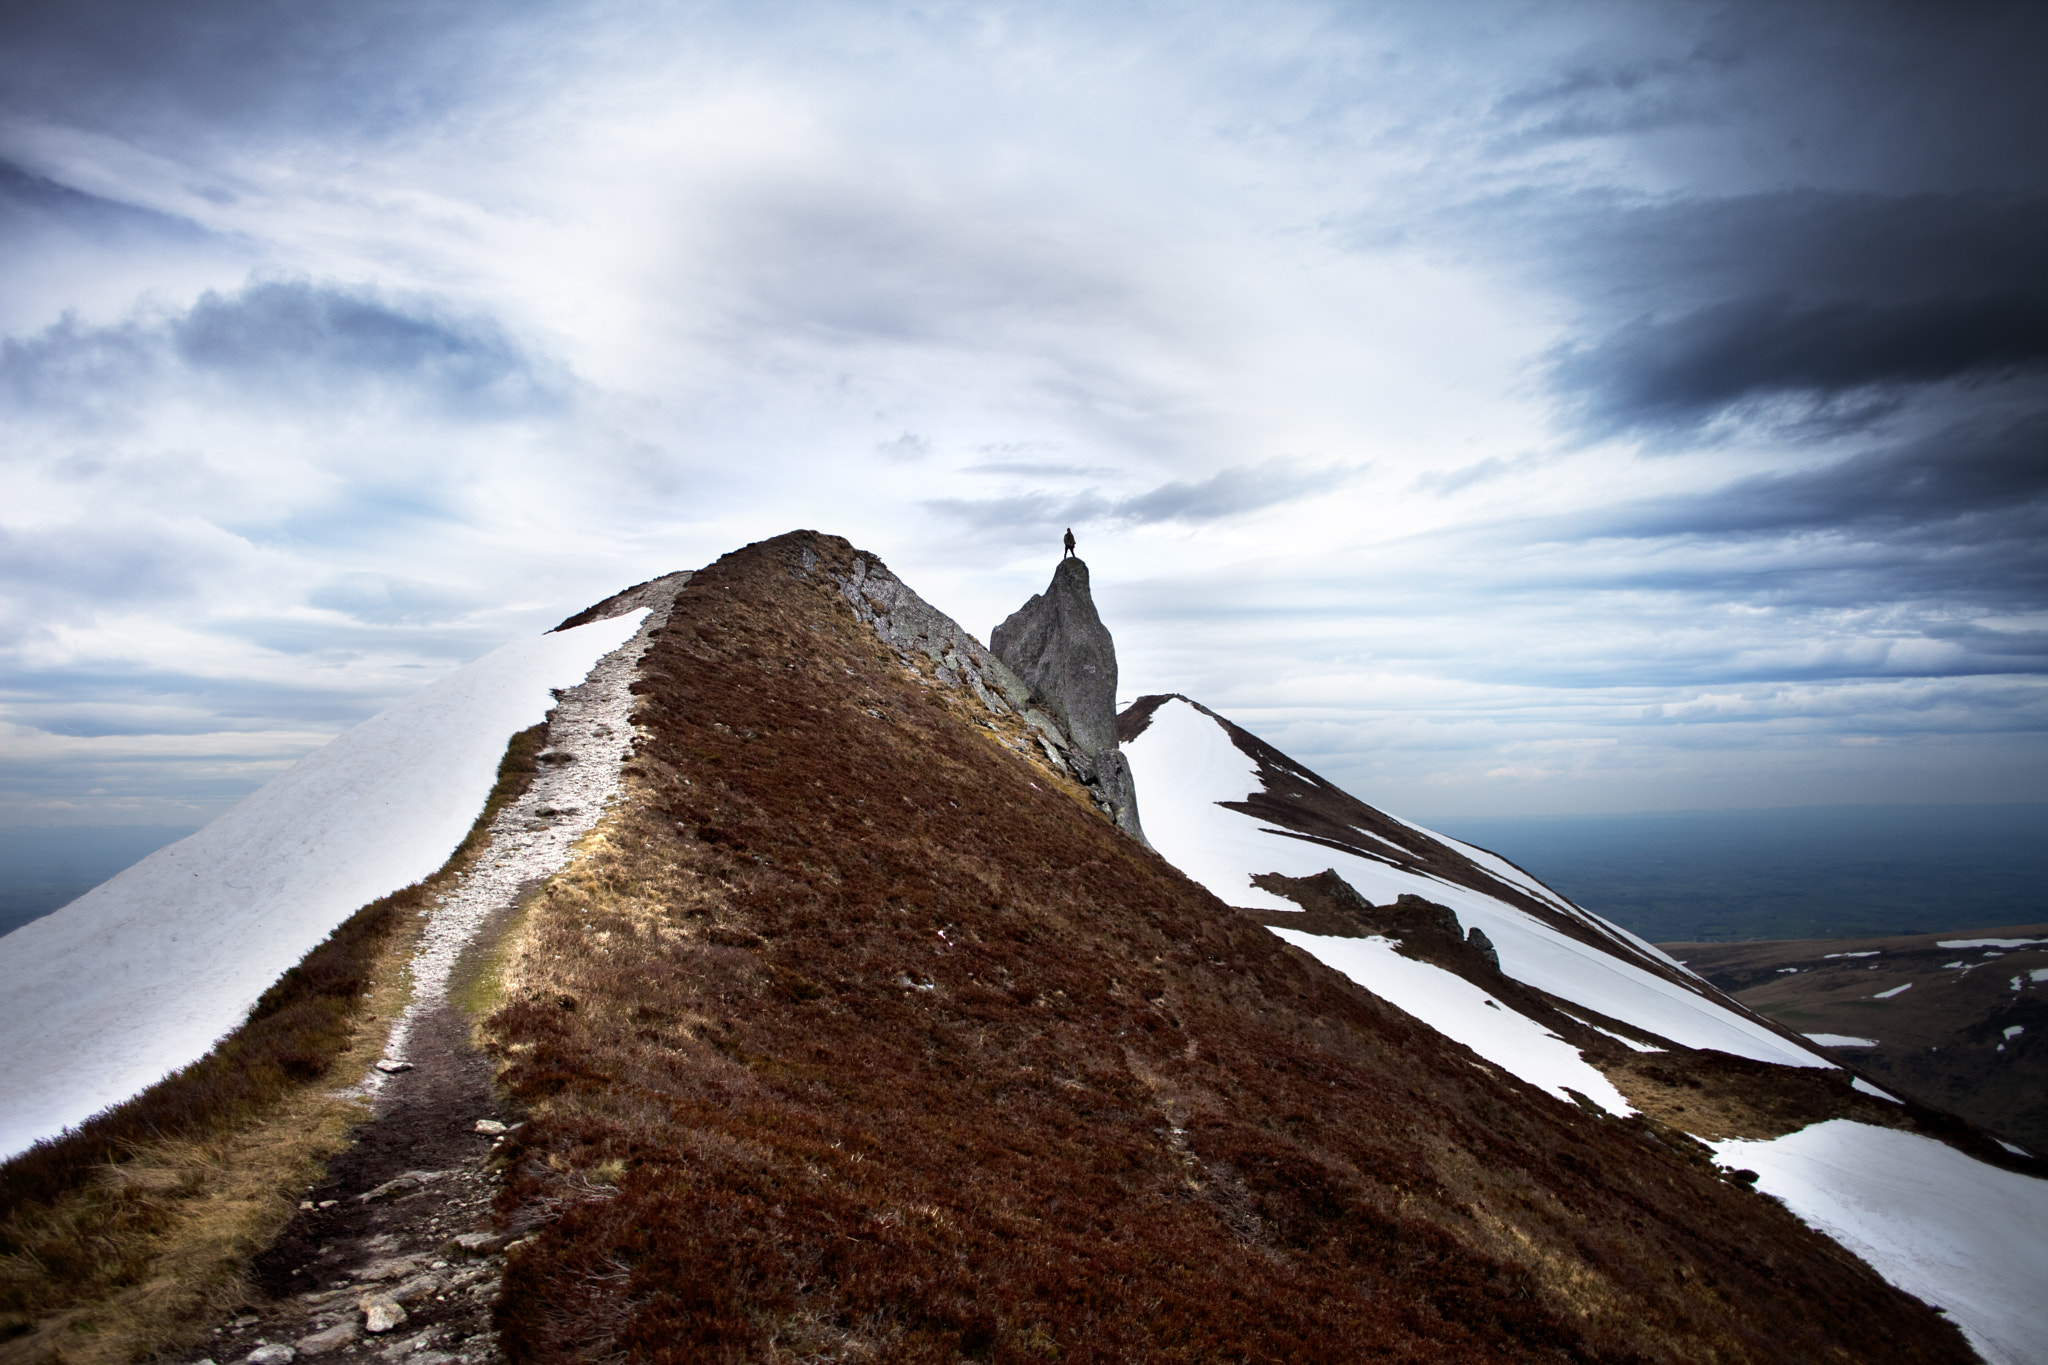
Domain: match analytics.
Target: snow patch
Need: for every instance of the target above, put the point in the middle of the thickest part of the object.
(1867, 1088)
(1623, 1039)
(1184, 763)
(1463, 1012)
(142, 974)
(1840, 1040)
(1949, 1229)
(1896, 990)
(2015, 1031)
(1988, 942)
(1872, 953)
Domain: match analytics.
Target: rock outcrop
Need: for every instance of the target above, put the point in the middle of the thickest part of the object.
(1057, 644)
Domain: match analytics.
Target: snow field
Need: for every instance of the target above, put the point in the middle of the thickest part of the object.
(1953, 1231)
(1858, 1083)
(1461, 1011)
(1184, 763)
(142, 974)
(1988, 942)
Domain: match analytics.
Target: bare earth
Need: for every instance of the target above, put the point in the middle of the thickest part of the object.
(1969, 1034)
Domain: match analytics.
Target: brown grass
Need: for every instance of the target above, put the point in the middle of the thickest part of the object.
(122, 1235)
(852, 1040)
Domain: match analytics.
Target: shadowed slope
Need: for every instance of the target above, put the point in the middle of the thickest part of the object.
(862, 1037)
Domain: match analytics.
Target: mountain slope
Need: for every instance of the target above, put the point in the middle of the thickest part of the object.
(1579, 1008)
(861, 1034)
(141, 975)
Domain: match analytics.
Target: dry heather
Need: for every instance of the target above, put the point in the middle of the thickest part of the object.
(856, 1039)
(127, 1235)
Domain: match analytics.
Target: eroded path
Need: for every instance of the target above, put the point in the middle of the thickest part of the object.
(394, 1255)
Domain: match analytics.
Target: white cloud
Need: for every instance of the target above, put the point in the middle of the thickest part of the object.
(435, 340)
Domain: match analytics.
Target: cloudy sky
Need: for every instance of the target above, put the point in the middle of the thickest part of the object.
(1505, 407)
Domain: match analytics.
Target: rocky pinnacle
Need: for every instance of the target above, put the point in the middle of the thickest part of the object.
(1057, 644)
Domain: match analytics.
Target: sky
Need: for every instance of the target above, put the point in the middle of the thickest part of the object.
(1506, 408)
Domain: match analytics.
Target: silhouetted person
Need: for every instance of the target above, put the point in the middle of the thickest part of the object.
(1070, 542)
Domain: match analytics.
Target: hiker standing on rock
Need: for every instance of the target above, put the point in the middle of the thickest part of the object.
(1070, 542)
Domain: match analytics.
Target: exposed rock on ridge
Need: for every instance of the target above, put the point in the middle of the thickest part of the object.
(1057, 644)
(911, 626)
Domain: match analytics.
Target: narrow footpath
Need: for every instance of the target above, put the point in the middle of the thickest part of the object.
(394, 1256)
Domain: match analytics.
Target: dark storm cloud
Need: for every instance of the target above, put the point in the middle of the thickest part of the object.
(1816, 310)
(1991, 472)
(285, 337)
(1619, 260)
(1930, 531)
(155, 70)
(1685, 370)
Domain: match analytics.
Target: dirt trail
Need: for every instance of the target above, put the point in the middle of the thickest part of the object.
(393, 1255)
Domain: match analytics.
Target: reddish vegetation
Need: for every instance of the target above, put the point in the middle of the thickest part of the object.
(858, 1042)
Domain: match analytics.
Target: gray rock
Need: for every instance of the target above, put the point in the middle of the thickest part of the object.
(405, 1350)
(391, 1066)
(480, 1243)
(271, 1355)
(380, 1313)
(333, 1339)
(489, 1126)
(1478, 939)
(417, 1288)
(401, 1184)
(390, 1268)
(1057, 644)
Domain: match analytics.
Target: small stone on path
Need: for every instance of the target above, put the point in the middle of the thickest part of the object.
(489, 1126)
(392, 1268)
(271, 1355)
(380, 1314)
(333, 1339)
(417, 1288)
(392, 1068)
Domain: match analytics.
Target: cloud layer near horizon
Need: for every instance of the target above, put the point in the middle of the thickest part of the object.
(1580, 406)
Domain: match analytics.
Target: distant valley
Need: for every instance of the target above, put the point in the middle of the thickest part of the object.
(1800, 872)
(1958, 1022)
(48, 866)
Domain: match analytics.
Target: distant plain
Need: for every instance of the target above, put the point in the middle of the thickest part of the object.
(1704, 876)
(1796, 872)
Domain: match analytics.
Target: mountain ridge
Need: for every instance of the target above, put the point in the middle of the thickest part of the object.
(858, 1029)
(852, 1032)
